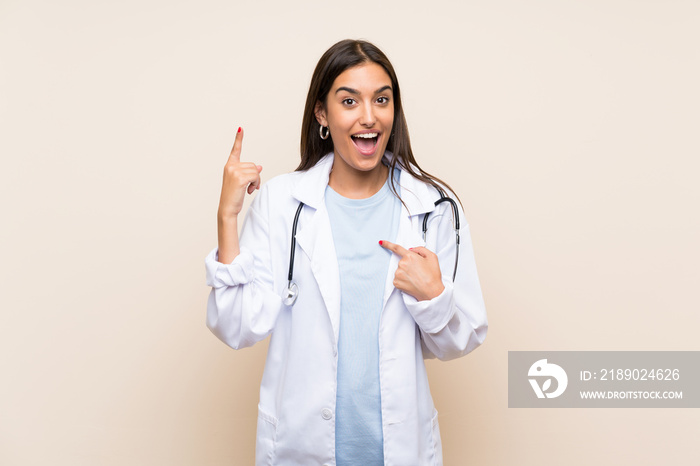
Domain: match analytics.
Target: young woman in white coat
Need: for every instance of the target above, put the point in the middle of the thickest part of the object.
(345, 381)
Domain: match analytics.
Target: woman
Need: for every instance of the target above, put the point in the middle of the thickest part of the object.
(344, 381)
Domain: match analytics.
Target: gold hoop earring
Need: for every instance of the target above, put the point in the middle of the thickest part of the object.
(320, 131)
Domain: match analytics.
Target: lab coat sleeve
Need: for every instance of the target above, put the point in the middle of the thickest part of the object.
(453, 323)
(242, 306)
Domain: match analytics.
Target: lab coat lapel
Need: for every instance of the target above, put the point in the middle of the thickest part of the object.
(418, 198)
(315, 237)
(316, 240)
(408, 236)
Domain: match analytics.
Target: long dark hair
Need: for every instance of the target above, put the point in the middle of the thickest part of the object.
(340, 57)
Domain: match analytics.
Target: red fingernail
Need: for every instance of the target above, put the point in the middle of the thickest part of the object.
(410, 249)
(239, 129)
(380, 242)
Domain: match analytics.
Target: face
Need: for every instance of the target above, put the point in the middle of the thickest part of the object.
(359, 111)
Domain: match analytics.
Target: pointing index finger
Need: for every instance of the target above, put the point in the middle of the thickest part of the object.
(395, 248)
(237, 144)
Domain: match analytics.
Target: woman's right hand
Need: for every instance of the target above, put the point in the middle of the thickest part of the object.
(239, 177)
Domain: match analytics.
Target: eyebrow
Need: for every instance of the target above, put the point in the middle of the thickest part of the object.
(356, 92)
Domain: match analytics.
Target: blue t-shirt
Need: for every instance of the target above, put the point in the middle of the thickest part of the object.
(358, 225)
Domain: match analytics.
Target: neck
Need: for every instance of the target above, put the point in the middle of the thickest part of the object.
(356, 184)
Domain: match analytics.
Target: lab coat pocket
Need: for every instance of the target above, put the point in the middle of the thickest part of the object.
(266, 438)
(437, 444)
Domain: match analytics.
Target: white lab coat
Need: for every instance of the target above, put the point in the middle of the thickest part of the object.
(296, 424)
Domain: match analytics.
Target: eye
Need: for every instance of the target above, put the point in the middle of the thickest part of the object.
(383, 100)
(348, 101)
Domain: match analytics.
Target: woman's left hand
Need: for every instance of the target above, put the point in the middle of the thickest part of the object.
(418, 273)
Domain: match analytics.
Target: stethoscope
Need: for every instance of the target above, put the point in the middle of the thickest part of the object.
(292, 291)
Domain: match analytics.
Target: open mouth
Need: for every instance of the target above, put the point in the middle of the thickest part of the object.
(366, 143)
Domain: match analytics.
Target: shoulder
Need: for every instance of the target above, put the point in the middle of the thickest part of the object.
(281, 184)
(436, 199)
(417, 194)
(276, 195)
(302, 183)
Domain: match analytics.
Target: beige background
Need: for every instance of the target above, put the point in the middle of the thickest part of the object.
(568, 128)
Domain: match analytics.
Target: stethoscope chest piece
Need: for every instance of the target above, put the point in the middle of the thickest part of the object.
(291, 294)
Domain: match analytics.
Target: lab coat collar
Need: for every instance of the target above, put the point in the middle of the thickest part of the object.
(418, 197)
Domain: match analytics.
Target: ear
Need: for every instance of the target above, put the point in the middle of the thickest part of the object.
(320, 113)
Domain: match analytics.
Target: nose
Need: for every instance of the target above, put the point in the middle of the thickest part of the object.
(367, 119)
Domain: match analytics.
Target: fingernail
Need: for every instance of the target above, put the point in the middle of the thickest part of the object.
(380, 242)
(239, 129)
(410, 249)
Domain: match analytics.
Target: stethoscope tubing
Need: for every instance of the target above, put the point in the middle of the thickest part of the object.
(294, 241)
(455, 216)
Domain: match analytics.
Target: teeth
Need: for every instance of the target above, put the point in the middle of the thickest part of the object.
(365, 135)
